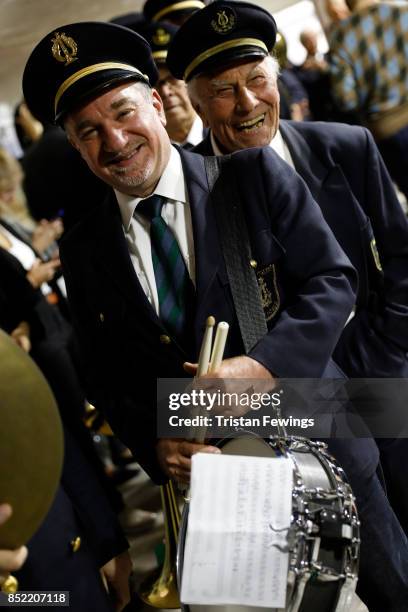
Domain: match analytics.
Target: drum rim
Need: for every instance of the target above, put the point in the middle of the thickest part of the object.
(330, 467)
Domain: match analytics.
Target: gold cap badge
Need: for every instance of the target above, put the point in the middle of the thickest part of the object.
(224, 21)
(64, 48)
(161, 37)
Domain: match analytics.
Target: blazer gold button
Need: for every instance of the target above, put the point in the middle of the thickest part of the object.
(76, 544)
(253, 263)
(10, 585)
(101, 317)
(165, 339)
(89, 408)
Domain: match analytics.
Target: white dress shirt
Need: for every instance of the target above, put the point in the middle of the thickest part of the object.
(176, 213)
(277, 144)
(20, 250)
(195, 134)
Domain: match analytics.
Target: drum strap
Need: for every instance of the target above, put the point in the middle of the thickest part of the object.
(236, 249)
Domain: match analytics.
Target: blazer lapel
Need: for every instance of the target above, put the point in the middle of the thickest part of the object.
(112, 254)
(313, 172)
(330, 189)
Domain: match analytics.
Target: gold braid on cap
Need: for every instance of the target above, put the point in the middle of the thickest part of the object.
(178, 6)
(159, 55)
(230, 44)
(90, 70)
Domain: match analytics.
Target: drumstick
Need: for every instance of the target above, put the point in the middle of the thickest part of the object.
(216, 359)
(219, 345)
(205, 351)
(203, 362)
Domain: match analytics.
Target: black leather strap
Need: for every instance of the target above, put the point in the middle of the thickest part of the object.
(236, 249)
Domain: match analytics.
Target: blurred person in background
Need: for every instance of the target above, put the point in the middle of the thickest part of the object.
(14, 212)
(314, 60)
(369, 70)
(294, 101)
(171, 11)
(183, 125)
(33, 244)
(28, 128)
(8, 135)
(337, 10)
(313, 74)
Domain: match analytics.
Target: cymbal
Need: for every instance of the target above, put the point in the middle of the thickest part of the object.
(31, 444)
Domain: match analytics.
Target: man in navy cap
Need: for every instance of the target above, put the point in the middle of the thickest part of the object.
(183, 125)
(233, 86)
(173, 11)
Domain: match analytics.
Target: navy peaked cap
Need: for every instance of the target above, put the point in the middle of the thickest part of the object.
(160, 10)
(222, 32)
(159, 35)
(76, 62)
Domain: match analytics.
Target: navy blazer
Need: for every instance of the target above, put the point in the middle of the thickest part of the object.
(81, 507)
(345, 173)
(79, 510)
(121, 334)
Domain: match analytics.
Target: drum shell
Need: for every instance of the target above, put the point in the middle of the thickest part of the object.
(318, 476)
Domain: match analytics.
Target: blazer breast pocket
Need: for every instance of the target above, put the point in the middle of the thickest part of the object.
(267, 253)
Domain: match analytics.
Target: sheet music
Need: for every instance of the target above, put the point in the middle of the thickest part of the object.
(236, 548)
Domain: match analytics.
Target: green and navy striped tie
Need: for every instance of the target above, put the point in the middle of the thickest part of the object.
(172, 278)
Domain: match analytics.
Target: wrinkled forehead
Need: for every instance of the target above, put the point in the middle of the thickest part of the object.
(108, 103)
(242, 69)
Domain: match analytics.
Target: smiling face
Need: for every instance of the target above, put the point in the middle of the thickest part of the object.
(122, 138)
(239, 104)
(176, 103)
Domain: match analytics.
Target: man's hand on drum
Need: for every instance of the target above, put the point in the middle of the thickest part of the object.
(174, 456)
(236, 375)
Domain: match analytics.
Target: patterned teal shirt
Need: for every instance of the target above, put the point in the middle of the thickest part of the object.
(369, 59)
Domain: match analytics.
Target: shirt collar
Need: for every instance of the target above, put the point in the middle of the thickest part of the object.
(277, 144)
(214, 145)
(171, 186)
(195, 135)
(280, 147)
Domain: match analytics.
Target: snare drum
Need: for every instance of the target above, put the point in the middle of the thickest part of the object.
(324, 535)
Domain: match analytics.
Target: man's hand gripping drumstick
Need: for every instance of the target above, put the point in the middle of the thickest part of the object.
(174, 454)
